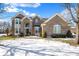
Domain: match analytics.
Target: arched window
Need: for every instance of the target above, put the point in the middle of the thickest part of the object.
(57, 29)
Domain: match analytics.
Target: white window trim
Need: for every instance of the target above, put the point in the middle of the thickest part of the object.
(17, 26)
(57, 29)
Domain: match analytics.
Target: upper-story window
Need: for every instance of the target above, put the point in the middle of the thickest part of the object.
(27, 25)
(18, 21)
(36, 20)
(57, 29)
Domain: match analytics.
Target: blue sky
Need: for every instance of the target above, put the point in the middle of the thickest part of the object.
(44, 9)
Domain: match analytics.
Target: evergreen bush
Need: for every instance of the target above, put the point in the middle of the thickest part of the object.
(69, 34)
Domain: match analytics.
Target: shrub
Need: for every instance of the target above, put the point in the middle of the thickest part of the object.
(10, 35)
(44, 35)
(21, 34)
(69, 34)
(7, 31)
(58, 36)
(40, 34)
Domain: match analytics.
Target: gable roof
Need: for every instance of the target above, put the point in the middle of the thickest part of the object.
(19, 15)
(22, 16)
(26, 17)
(53, 17)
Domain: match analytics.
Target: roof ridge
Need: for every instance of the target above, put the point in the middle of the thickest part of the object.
(54, 16)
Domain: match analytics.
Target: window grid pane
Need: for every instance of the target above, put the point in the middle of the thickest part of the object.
(57, 29)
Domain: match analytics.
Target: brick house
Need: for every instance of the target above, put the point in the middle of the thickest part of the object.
(55, 25)
(33, 25)
(26, 25)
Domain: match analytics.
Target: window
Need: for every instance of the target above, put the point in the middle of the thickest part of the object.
(36, 20)
(27, 25)
(17, 25)
(18, 21)
(16, 30)
(57, 29)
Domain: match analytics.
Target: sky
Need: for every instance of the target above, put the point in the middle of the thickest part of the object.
(44, 10)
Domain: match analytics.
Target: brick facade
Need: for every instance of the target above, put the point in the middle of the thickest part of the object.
(46, 25)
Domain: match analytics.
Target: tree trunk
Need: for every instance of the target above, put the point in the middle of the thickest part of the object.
(7, 34)
(77, 33)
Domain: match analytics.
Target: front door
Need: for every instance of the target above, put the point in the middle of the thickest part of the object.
(37, 29)
(27, 31)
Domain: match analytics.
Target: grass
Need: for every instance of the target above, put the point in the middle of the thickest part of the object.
(7, 37)
(71, 42)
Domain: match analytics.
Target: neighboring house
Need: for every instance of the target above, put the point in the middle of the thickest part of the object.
(33, 25)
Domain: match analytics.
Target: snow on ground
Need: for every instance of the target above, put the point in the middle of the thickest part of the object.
(2, 34)
(36, 47)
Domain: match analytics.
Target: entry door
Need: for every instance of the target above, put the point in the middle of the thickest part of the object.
(37, 29)
(27, 28)
(27, 31)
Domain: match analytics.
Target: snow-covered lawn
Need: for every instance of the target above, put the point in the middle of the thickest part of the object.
(2, 34)
(36, 47)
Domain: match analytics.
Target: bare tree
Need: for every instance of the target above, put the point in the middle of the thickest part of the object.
(75, 6)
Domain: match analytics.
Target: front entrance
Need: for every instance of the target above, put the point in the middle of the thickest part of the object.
(37, 30)
(27, 32)
(27, 29)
